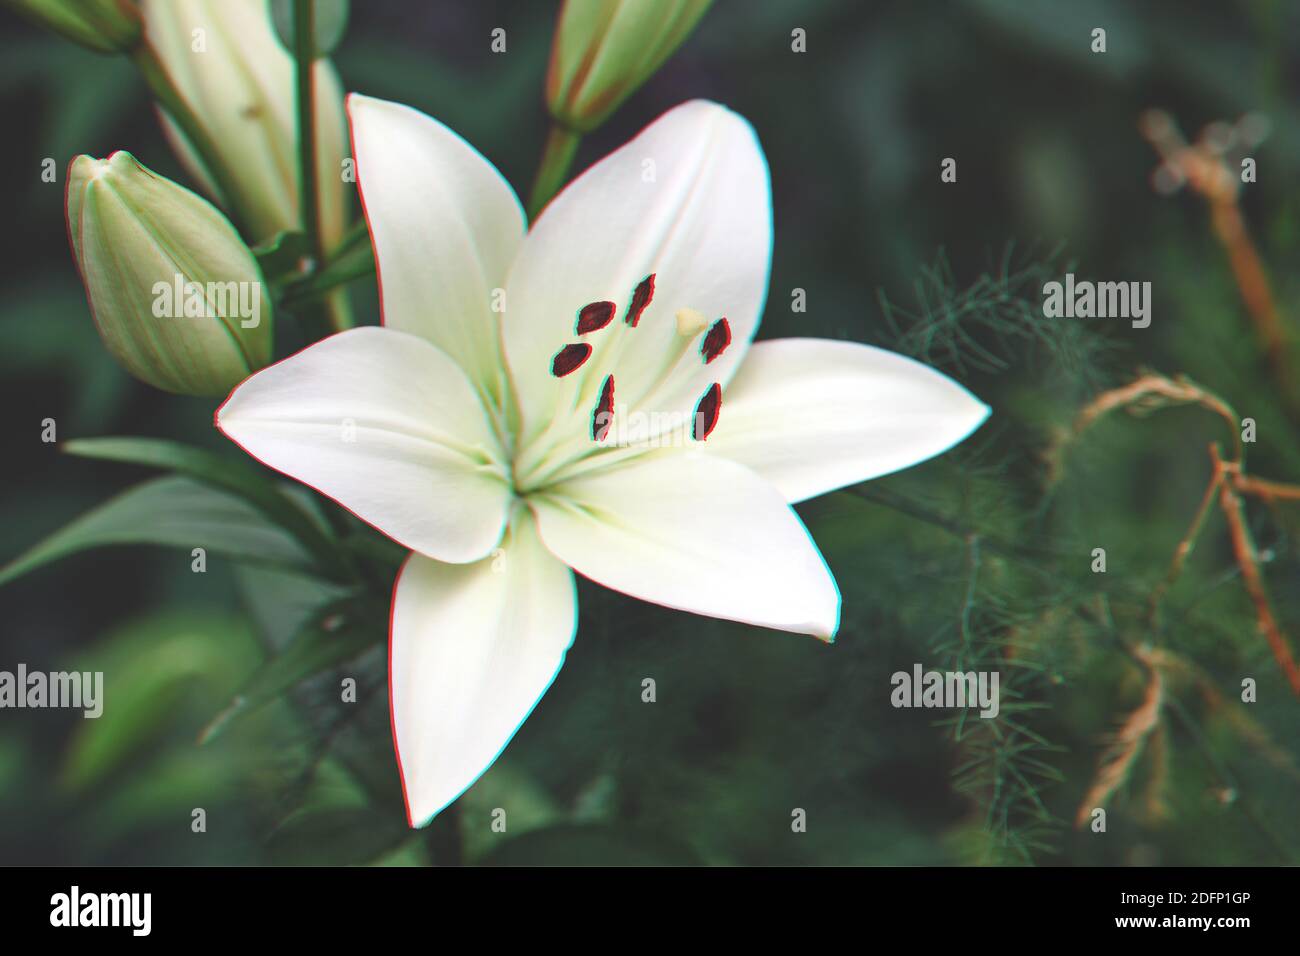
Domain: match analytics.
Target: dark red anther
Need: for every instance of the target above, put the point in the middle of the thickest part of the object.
(594, 317)
(706, 412)
(716, 340)
(641, 296)
(603, 416)
(569, 358)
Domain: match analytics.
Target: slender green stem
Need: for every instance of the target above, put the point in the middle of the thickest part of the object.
(321, 318)
(169, 97)
(304, 54)
(557, 157)
(355, 234)
(1036, 556)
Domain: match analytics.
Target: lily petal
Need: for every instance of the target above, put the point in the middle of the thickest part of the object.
(445, 226)
(813, 415)
(472, 648)
(387, 426)
(687, 201)
(696, 533)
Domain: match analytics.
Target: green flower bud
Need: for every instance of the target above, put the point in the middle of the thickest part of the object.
(109, 26)
(605, 49)
(237, 78)
(176, 295)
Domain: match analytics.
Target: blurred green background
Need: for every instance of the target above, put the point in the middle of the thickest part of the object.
(949, 564)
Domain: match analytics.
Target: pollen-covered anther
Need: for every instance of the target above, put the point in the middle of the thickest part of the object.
(595, 316)
(641, 296)
(716, 342)
(690, 323)
(569, 359)
(706, 412)
(603, 416)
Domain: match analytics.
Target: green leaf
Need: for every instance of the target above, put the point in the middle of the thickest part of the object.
(336, 836)
(281, 603)
(192, 661)
(337, 633)
(171, 511)
(575, 845)
(226, 474)
(330, 22)
(507, 784)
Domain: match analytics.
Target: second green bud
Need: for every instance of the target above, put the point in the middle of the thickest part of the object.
(176, 295)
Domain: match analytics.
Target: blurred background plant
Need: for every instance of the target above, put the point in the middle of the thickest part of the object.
(1121, 689)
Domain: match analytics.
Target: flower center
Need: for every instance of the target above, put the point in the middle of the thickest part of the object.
(589, 370)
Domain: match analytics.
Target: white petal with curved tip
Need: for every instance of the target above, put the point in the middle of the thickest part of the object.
(389, 427)
(812, 415)
(696, 533)
(445, 225)
(471, 650)
(688, 201)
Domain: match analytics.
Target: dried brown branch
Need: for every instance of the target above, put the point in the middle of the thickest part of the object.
(1119, 758)
(1203, 167)
(1183, 551)
(1267, 490)
(1148, 393)
(1152, 391)
(1243, 547)
(1228, 482)
(1157, 808)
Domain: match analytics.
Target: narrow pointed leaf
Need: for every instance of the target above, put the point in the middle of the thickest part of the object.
(171, 511)
(339, 632)
(226, 474)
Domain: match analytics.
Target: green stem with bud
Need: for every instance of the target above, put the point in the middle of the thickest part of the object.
(557, 157)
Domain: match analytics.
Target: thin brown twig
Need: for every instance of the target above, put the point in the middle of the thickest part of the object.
(1228, 482)
(1151, 391)
(1203, 167)
(1183, 551)
(1243, 546)
(1267, 490)
(1157, 808)
(1118, 759)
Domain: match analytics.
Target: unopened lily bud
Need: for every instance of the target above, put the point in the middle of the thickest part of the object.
(176, 295)
(238, 80)
(109, 26)
(605, 49)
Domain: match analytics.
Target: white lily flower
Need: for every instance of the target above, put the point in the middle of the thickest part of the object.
(583, 396)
